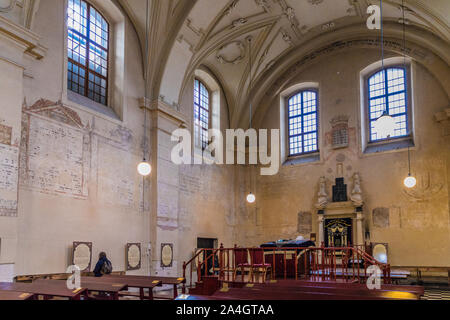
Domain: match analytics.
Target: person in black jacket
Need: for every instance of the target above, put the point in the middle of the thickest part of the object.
(100, 267)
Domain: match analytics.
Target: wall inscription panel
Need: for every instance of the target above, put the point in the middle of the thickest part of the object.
(117, 175)
(305, 223)
(54, 158)
(8, 180)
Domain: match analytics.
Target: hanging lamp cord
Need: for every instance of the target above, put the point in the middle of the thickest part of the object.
(382, 35)
(145, 149)
(251, 79)
(409, 161)
(404, 34)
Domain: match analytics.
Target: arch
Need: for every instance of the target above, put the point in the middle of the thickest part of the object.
(432, 55)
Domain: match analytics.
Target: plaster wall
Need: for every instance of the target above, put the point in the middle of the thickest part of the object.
(78, 178)
(417, 227)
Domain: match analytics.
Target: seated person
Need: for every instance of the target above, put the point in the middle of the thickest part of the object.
(103, 265)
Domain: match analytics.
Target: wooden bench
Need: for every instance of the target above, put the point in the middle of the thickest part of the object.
(15, 296)
(140, 284)
(419, 271)
(45, 290)
(110, 289)
(56, 276)
(388, 290)
(322, 291)
(417, 290)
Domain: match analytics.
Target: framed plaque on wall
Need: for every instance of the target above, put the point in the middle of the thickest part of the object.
(166, 255)
(82, 255)
(133, 254)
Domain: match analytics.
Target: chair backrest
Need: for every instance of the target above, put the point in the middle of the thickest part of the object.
(240, 256)
(257, 255)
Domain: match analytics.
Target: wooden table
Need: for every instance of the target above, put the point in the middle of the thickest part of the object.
(15, 296)
(138, 283)
(45, 290)
(175, 282)
(112, 289)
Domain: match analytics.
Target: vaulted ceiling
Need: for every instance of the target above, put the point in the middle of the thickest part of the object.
(186, 34)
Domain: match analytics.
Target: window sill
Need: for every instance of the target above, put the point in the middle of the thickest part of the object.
(390, 145)
(90, 104)
(302, 159)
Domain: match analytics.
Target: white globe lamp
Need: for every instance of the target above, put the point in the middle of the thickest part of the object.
(144, 168)
(251, 198)
(410, 182)
(385, 125)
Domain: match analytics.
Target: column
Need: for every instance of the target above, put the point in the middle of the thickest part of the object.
(164, 185)
(359, 229)
(321, 234)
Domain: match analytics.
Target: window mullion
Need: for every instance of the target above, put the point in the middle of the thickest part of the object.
(303, 123)
(386, 91)
(88, 49)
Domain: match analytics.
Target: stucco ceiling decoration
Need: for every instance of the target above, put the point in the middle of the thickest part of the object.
(231, 53)
(7, 5)
(315, 1)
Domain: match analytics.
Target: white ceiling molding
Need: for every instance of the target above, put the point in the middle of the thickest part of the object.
(225, 57)
(7, 5)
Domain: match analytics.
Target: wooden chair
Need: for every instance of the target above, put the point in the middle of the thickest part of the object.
(241, 263)
(258, 263)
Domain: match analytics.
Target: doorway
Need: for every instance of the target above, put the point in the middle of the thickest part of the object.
(207, 243)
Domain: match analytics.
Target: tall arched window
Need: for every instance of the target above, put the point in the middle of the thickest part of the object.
(303, 122)
(88, 42)
(201, 114)
(393, 100)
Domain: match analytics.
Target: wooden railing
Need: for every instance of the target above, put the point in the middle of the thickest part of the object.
(348, 264)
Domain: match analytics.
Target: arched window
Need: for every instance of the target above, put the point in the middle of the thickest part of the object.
(88, 43)
(201, 114)
(393, 100)
(303, 123)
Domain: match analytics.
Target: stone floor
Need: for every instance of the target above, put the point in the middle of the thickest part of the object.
(437, 294)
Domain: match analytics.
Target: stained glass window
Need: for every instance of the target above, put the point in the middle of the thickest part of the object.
(393, 100)
(201, 114)
(88, 35)
(303, 123)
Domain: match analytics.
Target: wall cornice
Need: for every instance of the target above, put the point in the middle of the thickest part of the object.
(23, 37)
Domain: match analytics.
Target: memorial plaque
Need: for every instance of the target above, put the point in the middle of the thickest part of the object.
(133, 254)
(82, 255)
(166, 255)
